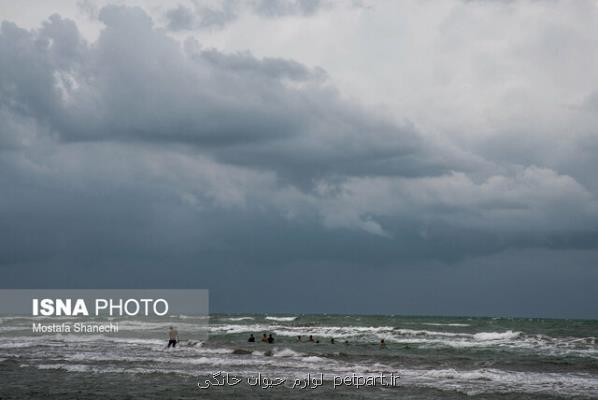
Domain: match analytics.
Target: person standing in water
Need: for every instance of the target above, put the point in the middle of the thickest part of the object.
(270, 339)
(251, 338)
(264, 338)
(173, 337)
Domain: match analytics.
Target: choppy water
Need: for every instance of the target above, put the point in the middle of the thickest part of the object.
(434, 357)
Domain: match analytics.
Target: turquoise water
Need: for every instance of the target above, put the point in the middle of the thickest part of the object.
(434, 357)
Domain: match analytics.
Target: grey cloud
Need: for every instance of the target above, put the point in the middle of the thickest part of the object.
(232, 159)
(199, 16)
(292, 7)
(135, 83)
(267, 68)
(184, 18)
(180, 18)
(590, 103)
(89, 8)
(125, 203)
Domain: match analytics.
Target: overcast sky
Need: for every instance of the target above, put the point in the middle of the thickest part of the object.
(412, 157)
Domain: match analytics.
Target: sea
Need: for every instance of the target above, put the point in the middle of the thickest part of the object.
(422, 358)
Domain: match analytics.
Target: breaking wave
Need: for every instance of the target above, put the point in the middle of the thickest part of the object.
(281, 319)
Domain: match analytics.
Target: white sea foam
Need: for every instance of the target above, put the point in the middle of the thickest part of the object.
(412, 332)
(132, 325)
(66, 367)
(13, 317)
(282, 319)
(239, 318)
(102, 370)
(313, 359)
(495, 380)
(327, 331)
(486, 336)
(182, 316)
(286, 352)
(14, 328)
(214, 350)
(23, 344)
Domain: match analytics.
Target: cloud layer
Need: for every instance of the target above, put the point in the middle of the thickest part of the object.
(139, 147)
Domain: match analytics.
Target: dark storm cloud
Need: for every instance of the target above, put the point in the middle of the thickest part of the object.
(137, 84)
(267, 68)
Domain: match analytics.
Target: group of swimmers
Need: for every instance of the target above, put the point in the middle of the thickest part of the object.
(173, 337)
(265, 338)
(310, 339)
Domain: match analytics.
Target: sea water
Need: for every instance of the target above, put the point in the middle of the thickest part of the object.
(428, 358)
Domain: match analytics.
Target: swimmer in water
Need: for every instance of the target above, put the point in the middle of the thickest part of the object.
(173, 337)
